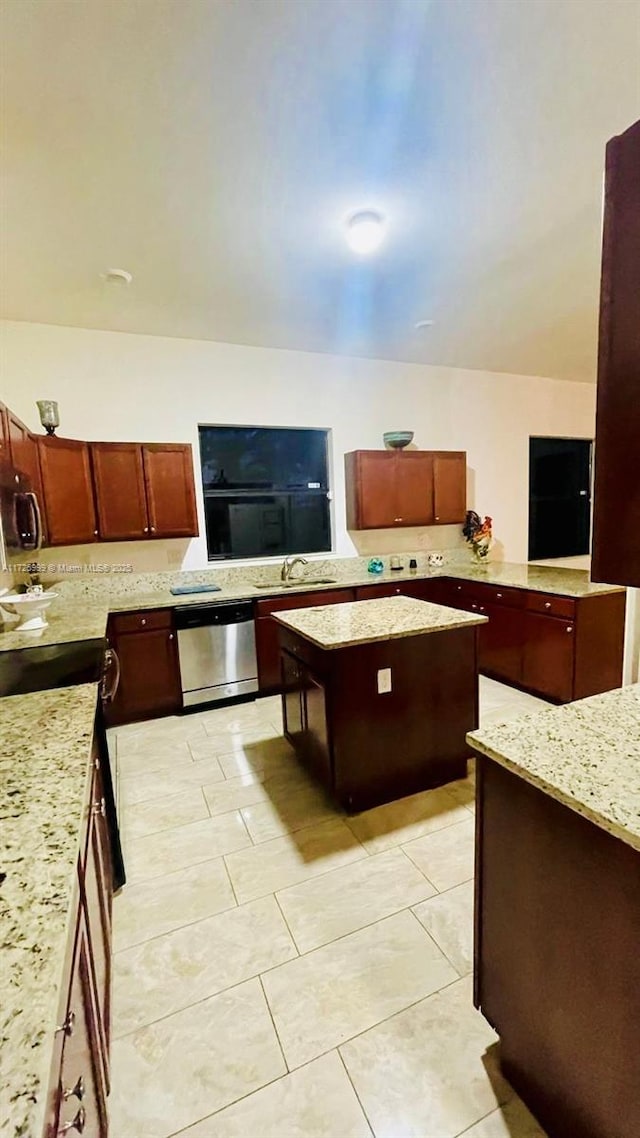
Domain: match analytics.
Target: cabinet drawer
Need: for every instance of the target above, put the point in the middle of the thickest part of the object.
(141, 621)
(303, 601)
(499, 595)
(551, 605)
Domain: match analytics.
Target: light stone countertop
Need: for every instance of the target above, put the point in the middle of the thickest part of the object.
(83, 614)
(44, 772)
(67, 620)
(585, 754)
(563, 582)
(365, 622)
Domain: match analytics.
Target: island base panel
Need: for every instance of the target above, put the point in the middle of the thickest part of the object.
(370, 747)
(557, 961)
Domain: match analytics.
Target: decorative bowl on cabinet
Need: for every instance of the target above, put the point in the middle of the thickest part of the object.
(397, 439)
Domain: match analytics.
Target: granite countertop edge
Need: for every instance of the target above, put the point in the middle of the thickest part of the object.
(86, 618)
(569, 782)
(294, 617)
(38, 907)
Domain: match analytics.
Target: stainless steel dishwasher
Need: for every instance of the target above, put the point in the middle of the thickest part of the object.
(217, 650)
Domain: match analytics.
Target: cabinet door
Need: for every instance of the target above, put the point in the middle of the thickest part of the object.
(171, 498)
(149, 676)
(549, 649)
(376, 489)
(81, 1091)
(449, 488)
(317, 753)
(68, 491)
(120, 496)
(500, 643)
(292, 707)
(97, 895)
(414, 488)
(616, 533)
(4, 434)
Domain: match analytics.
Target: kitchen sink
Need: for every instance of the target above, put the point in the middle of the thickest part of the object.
(303, 581)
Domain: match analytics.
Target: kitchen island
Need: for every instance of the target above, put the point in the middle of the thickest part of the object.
(557, 915)
(378, 695)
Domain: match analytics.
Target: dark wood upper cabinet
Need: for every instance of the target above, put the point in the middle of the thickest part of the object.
(449, 487)
(4, 434)
(120, 493)
(67, 489)
(413, 475)
(171, 499)
(616, 533)
(386, 489)
(371, 493)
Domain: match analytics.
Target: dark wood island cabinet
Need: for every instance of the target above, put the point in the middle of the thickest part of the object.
(378, 695)
(557, 910)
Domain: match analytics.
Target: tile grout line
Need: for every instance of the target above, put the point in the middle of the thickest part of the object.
(432, 938)
(281, 911)
(353, 1086)
(268, 1006)
(226, 869)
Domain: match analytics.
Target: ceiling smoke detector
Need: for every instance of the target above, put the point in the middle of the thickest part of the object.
(117, 277)
(365, 231)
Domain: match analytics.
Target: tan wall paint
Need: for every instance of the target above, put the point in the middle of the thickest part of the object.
(120, 386)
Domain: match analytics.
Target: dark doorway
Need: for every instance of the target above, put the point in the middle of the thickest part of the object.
(559, 497)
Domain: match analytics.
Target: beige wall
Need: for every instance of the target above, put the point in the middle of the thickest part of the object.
(120, 386)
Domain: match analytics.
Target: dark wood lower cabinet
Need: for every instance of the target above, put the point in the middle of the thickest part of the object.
(561, 648)
(548, 657)
(80, 1072)
(81, 1097)
(146, 647)
(557, 967)
(501, 642)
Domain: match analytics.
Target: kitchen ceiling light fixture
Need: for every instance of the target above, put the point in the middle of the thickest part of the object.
(49, 415)
(118, 276)
(424, 324)
(365, 231)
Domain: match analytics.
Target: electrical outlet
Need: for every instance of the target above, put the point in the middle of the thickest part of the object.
(384, 681)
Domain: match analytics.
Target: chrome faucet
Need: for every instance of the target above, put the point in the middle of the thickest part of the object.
(289, 564)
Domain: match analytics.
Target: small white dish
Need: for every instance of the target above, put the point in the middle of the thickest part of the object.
(30, 608)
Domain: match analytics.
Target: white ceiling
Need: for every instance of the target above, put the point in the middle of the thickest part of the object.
(214, 147)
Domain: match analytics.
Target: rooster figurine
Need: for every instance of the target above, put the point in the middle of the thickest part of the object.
(478, 533)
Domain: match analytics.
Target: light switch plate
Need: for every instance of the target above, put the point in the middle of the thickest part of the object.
(384, 681)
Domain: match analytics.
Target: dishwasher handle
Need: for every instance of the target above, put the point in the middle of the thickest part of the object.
(202, 616)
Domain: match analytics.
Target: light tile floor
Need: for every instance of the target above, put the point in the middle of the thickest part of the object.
(282, 970)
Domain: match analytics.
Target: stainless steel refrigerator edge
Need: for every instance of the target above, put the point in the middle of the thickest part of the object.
(217, 651)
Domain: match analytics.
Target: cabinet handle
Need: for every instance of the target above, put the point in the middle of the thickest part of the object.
(78, 1090)
(474, 606)
(153, 529)
(547, 604)
(170, 636)
(569, 628)
(67, 1024)
(143, 621)
(99, 808)
(77, 1123)
(481, 609)
(499, 596)
(95, 532)
(146, 529)
(437, 517)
